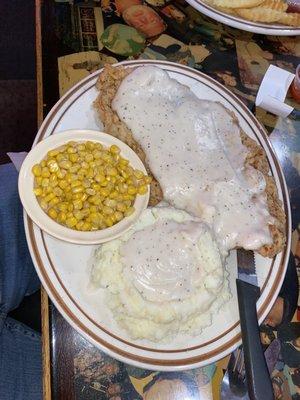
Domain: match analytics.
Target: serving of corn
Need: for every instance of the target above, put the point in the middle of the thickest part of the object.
(87, 187)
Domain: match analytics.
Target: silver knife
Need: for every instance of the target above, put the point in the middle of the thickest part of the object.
(257, 374)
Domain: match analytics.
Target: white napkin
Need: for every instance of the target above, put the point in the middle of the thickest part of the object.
(17, 159)
(273, 89)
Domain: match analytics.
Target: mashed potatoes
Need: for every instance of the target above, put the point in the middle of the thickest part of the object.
(164, 276)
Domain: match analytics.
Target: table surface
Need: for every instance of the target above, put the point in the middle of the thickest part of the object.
(69, 48)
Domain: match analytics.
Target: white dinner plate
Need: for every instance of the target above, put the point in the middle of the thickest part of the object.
(243, 24)
(64, 268)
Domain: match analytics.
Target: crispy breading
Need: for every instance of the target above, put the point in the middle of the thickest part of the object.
(108, 84)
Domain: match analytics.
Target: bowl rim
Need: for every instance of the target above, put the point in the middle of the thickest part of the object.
(47, 224)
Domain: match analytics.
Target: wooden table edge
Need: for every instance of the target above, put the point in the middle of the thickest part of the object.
(40, 116)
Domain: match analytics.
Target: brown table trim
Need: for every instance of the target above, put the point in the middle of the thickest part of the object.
(40, 117)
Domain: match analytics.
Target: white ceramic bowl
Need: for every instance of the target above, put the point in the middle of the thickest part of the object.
(35, 212)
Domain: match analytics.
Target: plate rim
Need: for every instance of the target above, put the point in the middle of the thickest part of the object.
(240, 23)
(182, 363)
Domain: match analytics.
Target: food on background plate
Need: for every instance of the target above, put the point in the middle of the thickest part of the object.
(200, 158)
(86, 186)
(164, 277)
(145, 20)
(258, 10)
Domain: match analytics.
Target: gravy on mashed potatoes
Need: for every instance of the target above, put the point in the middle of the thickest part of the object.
(164, 276)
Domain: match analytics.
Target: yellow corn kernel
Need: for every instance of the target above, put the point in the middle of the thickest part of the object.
(142, 189)
(90, 145)
(36, 170)
(38, 191)
(77, 189)
(38, 180)
(110, 203)
(89, 157)
(44, 204)
(83, 197)
(70, 207)
(114, 149)
(52, 213)
(147, 179)
(98, 163)
(58, 191)
(96, 186)
(111, 171)
(50, 162)
(104, 183)
(97, 201)
(113, 194)
(95, 218)
(78, 215)
(43, 164)
(90, 173)
(77, 204)
(138, 174)
(53, 180)
(108, 221)
(86, 183)
(131, 190)
(86, 204)
(106, 157)
(91, 192)
(114, 219)
(54, 201)
(63, 184)
(61, 217)
(129, 170)
(81, 147)
(123, 162)
(98, 146)
(65, 164)
(60, 157)
(68, 196)
(104, 192)
(116, 158)
(121, 207)
(73, 157)
(77, 196)
(75, 183)
(63, 206)
(61, 173)
(122, 187)
(47, 190)
(97, 154)
(53, 166)
(49, 197)
(127, 196)
(87, 226)
(124, 174)
(74, 168)
(79, 225)
(71, 149)
(100, 178)
(70, 222)
(129, 211)
(118, 215)
(45, 182)
(107, 210)
(127, 203)
(45, 172)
